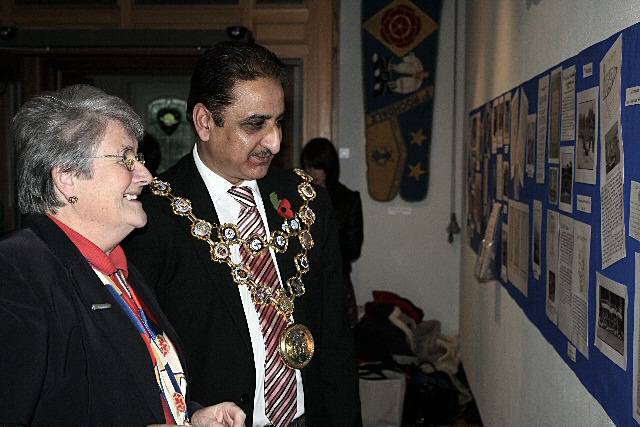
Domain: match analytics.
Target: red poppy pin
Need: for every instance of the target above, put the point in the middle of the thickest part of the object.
(282, 206)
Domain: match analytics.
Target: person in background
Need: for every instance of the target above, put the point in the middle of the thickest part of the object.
(243, 256)
(320, 160)
(84, 341)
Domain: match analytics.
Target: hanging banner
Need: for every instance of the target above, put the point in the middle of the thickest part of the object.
(399, 46)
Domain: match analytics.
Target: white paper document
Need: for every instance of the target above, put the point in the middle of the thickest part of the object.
(536, 242)
(555, 97)
(506, 122)
(636, 344)
(518, 253)
(553, 185)
(499, 179)
(565, 275)
(611, 320)
(551, 305)
(495, 114)
(568, 103)
(504, 245)
(484, 268)
(530, 151)
(632, 96)
(581, 275)
(583, 203)
(519, 147)
(634, 210)
(541, 130)
(515, 105)
(612, 228)
(587, 136)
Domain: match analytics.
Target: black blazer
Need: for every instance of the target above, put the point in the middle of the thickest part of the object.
(62, 363)
(204, 304)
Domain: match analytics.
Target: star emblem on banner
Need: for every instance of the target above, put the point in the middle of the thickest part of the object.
(418, 137)
(416, 171)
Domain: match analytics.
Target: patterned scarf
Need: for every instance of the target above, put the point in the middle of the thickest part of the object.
(112, 268)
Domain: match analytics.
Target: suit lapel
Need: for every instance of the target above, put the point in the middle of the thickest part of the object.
(112, 323)
(188, 183)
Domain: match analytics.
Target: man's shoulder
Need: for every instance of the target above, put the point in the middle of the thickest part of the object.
(279, 176)
(186, 165)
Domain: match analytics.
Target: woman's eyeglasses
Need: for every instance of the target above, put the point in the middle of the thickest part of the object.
(128, 158)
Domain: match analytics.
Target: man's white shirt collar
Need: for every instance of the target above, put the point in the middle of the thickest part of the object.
(218, 186)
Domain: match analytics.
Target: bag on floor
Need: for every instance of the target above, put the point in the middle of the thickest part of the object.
(382, 397)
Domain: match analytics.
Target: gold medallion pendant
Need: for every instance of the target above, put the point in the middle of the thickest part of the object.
(296, 346)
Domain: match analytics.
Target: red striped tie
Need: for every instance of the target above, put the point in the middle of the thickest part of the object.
(279, 380)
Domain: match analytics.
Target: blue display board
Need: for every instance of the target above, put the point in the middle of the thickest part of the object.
(493, 149)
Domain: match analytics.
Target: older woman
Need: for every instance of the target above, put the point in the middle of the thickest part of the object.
(83, 340)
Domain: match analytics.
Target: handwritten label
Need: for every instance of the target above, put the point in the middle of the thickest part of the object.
(583, 203)
(632, 96)
(399, 210)
(587, 70)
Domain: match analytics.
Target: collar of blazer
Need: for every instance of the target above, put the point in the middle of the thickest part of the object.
(86, 288)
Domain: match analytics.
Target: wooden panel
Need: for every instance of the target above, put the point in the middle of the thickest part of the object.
(68, 18)
(318, 99)
(280, 33)
(194, 17)
(280, 15)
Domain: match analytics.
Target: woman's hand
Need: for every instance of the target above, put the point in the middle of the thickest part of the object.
(224, 414)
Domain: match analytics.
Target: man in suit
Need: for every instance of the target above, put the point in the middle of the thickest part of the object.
(250, 318)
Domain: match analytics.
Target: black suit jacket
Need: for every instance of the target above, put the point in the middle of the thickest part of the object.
(62, 363)
(204, 304)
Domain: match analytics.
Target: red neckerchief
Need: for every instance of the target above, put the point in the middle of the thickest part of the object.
(107, 264)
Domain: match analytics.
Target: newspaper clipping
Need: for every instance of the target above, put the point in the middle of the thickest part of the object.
(541, 131)
(612, 228)
(581, 275)
(587, 136)
(565, 275)
(551, 306)
(568, 104)
(518, 254)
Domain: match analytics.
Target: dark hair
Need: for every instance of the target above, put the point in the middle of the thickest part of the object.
(221, 67)
(151, 150)
(319, 153)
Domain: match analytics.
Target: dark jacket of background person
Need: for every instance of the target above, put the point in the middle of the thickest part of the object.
(320, 159)
(348, 210)
(204, 305)
(63, 359)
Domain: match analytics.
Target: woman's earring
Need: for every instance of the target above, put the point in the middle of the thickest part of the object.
(72, 200)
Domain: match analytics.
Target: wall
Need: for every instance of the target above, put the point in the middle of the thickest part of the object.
(516, 376)
(407, 254)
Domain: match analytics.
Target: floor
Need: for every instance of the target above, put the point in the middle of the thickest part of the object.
(469, 417)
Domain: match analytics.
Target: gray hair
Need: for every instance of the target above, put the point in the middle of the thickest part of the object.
(63, 129)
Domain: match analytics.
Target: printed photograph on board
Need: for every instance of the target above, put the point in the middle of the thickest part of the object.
(612, 147)
(531, 145)
(566, 179)
(586, 152)
(611, 316)
(611, 319)
(553, 185)
(555, 98)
